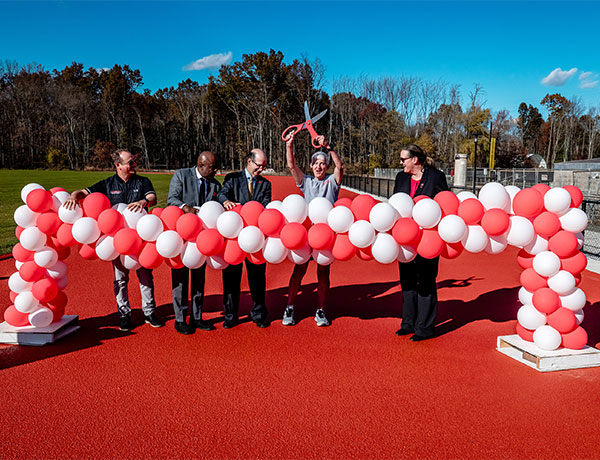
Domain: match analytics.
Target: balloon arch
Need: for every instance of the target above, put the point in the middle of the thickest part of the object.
(546, 223)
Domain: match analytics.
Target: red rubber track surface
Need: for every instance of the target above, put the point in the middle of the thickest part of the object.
(353, 390)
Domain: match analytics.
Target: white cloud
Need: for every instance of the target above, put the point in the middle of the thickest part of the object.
(588, 80)
(558, 77)
(214, 61)
(102, 69)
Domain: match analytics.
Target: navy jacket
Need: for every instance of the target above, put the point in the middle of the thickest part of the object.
(235, 188)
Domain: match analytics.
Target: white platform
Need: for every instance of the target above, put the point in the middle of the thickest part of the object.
(545, 361)
(29, 335)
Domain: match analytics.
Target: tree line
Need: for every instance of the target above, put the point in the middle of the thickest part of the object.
(74, 118)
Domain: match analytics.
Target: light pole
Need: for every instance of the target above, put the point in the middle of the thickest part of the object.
(475, 161)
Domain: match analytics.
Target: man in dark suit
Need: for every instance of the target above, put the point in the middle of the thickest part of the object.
(239, 188)
(190, 188)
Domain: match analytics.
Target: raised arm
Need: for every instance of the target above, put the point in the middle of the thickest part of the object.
(291, 160)
(338, 172)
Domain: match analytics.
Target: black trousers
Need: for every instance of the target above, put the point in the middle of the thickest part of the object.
(232, 278)
(419, 295)
(180, 283)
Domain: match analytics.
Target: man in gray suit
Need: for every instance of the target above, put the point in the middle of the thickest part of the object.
(192, 187)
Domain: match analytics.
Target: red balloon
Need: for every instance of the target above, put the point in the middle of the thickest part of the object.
(541, 188)
(344, 202)
(30, 271)
(59, 301)
(63, 252)
(576, 195)
(57, 312)
(250, 212)
(563, 244)
(237, 208)
(257, 258)
(577, 279)
(39, 200)
(574, 264)
(94, 204)
(320, 236)
(15, 318)
(532, 281)
(563, 320)
(233, 254)
(343, 249)
(53, 190)
(157, 211)
(495, 221)
(431, 245)
(419, 198)
(361, 206)
(12, 295)
(88, 251)
(18, 231)
(170, 215)
(149, 257)
(524, 259)
(471, 211)
(365, 253)
(48, 222)
(406, 231)
(21, 254)
(174, 262)
(270, 222)
(64, 235)
(452, 250)
(525, 334)
(528, 202)
(546, 224)
(189, 226)
(127, 242)
(45, 289)
(574, 340)
(110, 221)
(545, 300)
(448, 201)
(294, 235)
(210, 242)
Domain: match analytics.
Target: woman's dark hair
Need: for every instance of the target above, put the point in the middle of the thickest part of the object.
(416, 151)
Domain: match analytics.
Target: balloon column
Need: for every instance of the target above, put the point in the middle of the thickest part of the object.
(546, 223)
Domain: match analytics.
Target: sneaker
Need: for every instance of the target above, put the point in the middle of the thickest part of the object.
(125, 323)
(153, 321)
(321, 319)
(288, 316)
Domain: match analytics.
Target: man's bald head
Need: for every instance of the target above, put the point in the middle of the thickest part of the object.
(257, 162)
(207, 164)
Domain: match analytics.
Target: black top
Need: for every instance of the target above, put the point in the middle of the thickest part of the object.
(432, 182)
(118, 191)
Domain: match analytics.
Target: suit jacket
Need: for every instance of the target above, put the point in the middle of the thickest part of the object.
(183, 189)
(432, 182)
(235, 188)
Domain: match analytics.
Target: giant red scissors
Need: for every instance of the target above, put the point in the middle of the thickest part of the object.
(308, 125)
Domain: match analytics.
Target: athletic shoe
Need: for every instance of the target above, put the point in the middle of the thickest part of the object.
(321, 319)
(153, 321)
(288, 316)
(125, 323)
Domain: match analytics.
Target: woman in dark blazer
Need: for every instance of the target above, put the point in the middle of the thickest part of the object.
(418, 277)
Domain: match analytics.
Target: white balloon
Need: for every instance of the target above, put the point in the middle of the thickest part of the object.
(25, 217)
(383, 216)
(512, 190)
(149, 227)
(191, 257)
(340, 218)
(28, 188)
(32, 239)
(573, 301)
(61, 283)
(525, 297)
(216, 263)
(580, 316)
(493, 195)
(385, 250)
(25, 302)
(403, 203)
(546, 264)
(361, 234)
(58, 270)
(133, 217)
(18, 284)
(530, 318)
(70, 216)
(251, 239)
(209, 213)
(580, 239)
(574, 220)
(294, 208)
(230, 224)
(496, 244)
(547, 338)
(520, 231)
(318, 210)
(120, 207)
(86, 230)
(537, 245)
(130, 262)
(18, 264)
(475, 239)
(169, 244)
(300, 256)
(406, 253)
(427, 213)
(274, 252)
(452, 228)
(562, 283)
(58, 199)
(323, 257)
(45, 257)
(464, 195)
(275, 204)
(557, 200)
(42, 317)
(105, 248)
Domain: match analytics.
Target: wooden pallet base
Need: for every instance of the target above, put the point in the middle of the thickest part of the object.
(39, 336)
(546, 361)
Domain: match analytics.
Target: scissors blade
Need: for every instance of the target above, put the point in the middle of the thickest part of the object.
(306, 112)
(318, 117)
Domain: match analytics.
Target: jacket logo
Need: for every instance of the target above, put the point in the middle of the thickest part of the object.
(115, 192)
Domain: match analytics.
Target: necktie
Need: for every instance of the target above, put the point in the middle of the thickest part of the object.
(202, 191)
(250, 188)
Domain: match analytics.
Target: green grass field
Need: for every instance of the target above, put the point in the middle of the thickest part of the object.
(12, 181)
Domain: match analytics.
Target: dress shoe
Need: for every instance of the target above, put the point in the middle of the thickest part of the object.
(203, 325)
(420, 338)
(153, 321)
(125, 323)
(404, 332)
(229, 323)
(183, 328)
(262, 323)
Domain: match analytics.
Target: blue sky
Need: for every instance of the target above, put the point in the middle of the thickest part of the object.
(506, 47)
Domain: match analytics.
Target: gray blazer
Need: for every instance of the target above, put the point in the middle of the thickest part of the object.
(183, 189)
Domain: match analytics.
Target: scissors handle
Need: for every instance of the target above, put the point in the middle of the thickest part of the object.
(313, 134)
(291, 130)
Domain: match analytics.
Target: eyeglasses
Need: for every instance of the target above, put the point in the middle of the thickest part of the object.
(131, 162)
(257, 165)
(402, 160)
